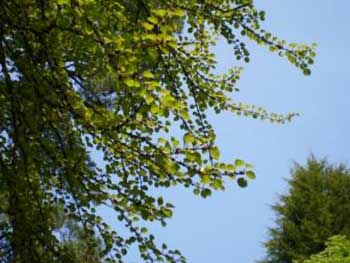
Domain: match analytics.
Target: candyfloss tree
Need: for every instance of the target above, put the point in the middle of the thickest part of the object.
(117, 77)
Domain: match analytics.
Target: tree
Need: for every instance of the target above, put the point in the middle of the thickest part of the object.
(74, 243)
(117, 77)
(70, 234)
(337, 251)
(316, 207)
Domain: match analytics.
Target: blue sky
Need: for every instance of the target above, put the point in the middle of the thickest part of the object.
(231, 226)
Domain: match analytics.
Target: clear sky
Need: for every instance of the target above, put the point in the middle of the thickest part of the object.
(231, 226)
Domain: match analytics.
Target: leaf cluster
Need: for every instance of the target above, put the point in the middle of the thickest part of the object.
(337, 251)
(117, 78)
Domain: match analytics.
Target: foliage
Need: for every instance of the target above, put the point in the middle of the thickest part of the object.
(75, 246)
(337, 251)
(71, 236)
(316, 207)
(117, 77)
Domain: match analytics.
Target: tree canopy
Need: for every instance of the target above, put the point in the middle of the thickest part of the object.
(117, 77)
(316, 208)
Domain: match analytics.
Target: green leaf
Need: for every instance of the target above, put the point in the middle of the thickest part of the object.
(63, 2)
(205, 178)
(161, 12)
(167, 212)
(148, 26)
(188, 138)
(132, 83)
(239, 162)
(242, 182)
(153, 20)
(215, 153)
(148, 74)
(206, 193)
(160, 200)
(250, 174)
(149, 99)
(217, 184)
(307, 72)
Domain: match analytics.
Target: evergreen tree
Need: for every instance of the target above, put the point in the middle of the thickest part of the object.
(316, 207)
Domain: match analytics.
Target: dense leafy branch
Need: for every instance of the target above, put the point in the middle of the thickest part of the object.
(119, 78)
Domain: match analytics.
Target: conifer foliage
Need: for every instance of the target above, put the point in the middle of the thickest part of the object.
(316, 208)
